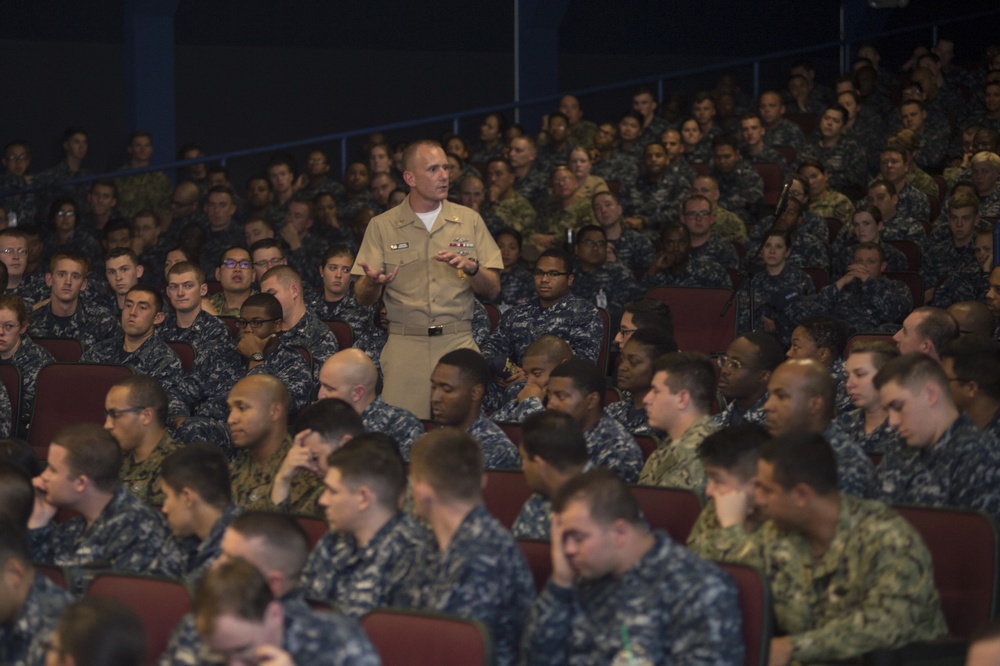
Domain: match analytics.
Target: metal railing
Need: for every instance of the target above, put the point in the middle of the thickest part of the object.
(455, 118)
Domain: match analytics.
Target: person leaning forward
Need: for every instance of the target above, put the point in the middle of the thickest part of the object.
(425, 258)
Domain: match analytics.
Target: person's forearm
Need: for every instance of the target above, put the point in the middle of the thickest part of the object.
(367, 291)
(485, 283)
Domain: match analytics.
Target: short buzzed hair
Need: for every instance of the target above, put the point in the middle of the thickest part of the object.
(145, 391)
(471, 365)
(331, 419)
(586, 377)
(607, 497)
(734, 449)
(91, 451)
(285, 275)
(187, 267)
(234, 587)
(550, 347)
(203, 468)
(410, 153)
(370, 460)
(451, 462)
(270, 304)
(769, 354)
(556, 438)
(976, 359)
(692, 372)
(285, 543)
(938, 326)
(802, 457)
(912, 371)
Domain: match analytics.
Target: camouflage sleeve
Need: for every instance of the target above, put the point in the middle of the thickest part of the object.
(184, 646)
(171, 560)
(516, 412)
(900, 569)
(135, 544)
(548, 628)
(41, 542)
(302, 497)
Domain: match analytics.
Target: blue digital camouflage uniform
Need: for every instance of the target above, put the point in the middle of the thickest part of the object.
(772, 296)
(310, 637)
(872, 588)
(872, 305)
(634, 250)
(740, 190)
(356, 580)
(913, 204)
(695, 272)
(534, 520)
(675, 608)
(516, 286)
(768, 155)
(29, 358)
(203, 335)
(842, 255)
(315, 336)
(127, 535)
(153, 357)
(498, 451)
(190, 558)
(700, 154)
(658, 201)
(88, 324)
(965, 285)
(904, 228)
(785, 133)
(533, 186)
(634, 419)
(482, 575)
(514, 411)
(993, 426)
(142, 479)
(610, 445)
(620, 167)
(23, 206)
(676, 464)
(307, 259)
(80, 241)
(846, 162)
(855, 471)
(252, 482)
(943, 260)
(960, 470)
(402, 425)
(878, 441)
(614, 279)
(731, 415)
(573, 319)
(717, 250)
(22, 640)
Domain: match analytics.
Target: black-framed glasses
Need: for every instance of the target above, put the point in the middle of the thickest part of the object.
(232, 263)
(549, 274)
(254, 324)
(113, 414)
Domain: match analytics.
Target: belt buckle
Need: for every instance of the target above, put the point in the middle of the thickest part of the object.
(435, 331)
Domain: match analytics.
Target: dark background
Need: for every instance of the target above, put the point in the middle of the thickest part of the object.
(254, 73)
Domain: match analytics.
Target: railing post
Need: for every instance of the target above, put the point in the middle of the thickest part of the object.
(756, 78)
(659, 93)
(343, 156)
(454, 125)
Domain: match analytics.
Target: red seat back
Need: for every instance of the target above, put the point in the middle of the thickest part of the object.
(315, 528)
(185, 352)
(539, 556)
(790, 154)
(647, 443)
(964, 550)
(504, 494)
(67, 394)
(771, 175)
(422, 638)
(342, 331)
(670, 509)
(159, 602)
(755, 607)
(63, 350)
(699, 321)
(494, 314)
(512, 430)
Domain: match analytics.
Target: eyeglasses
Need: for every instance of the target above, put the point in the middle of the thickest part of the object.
(265, 263)
(593, 243)
(549, 274)
(9, 327)
(113, 414)
(700, 215)
(254, 324)
(232, 263)
(727, 362)
(66, 213)
(18, 158)
(14, 250)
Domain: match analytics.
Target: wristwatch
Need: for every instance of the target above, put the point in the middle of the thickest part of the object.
(475, 272)
(257, 356)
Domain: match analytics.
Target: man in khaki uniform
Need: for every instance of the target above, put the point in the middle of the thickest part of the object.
(425, 258)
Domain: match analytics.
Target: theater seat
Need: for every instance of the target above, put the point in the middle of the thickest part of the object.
(424, 638)
(63, 350)
(701, 320)
(539, 556)
(755, 607)
(315, 528)
(342, 331)
(67, 394)
(672, 510)
(504, 494)
(159, 602)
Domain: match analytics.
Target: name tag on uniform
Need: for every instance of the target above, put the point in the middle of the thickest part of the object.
(399, 246)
